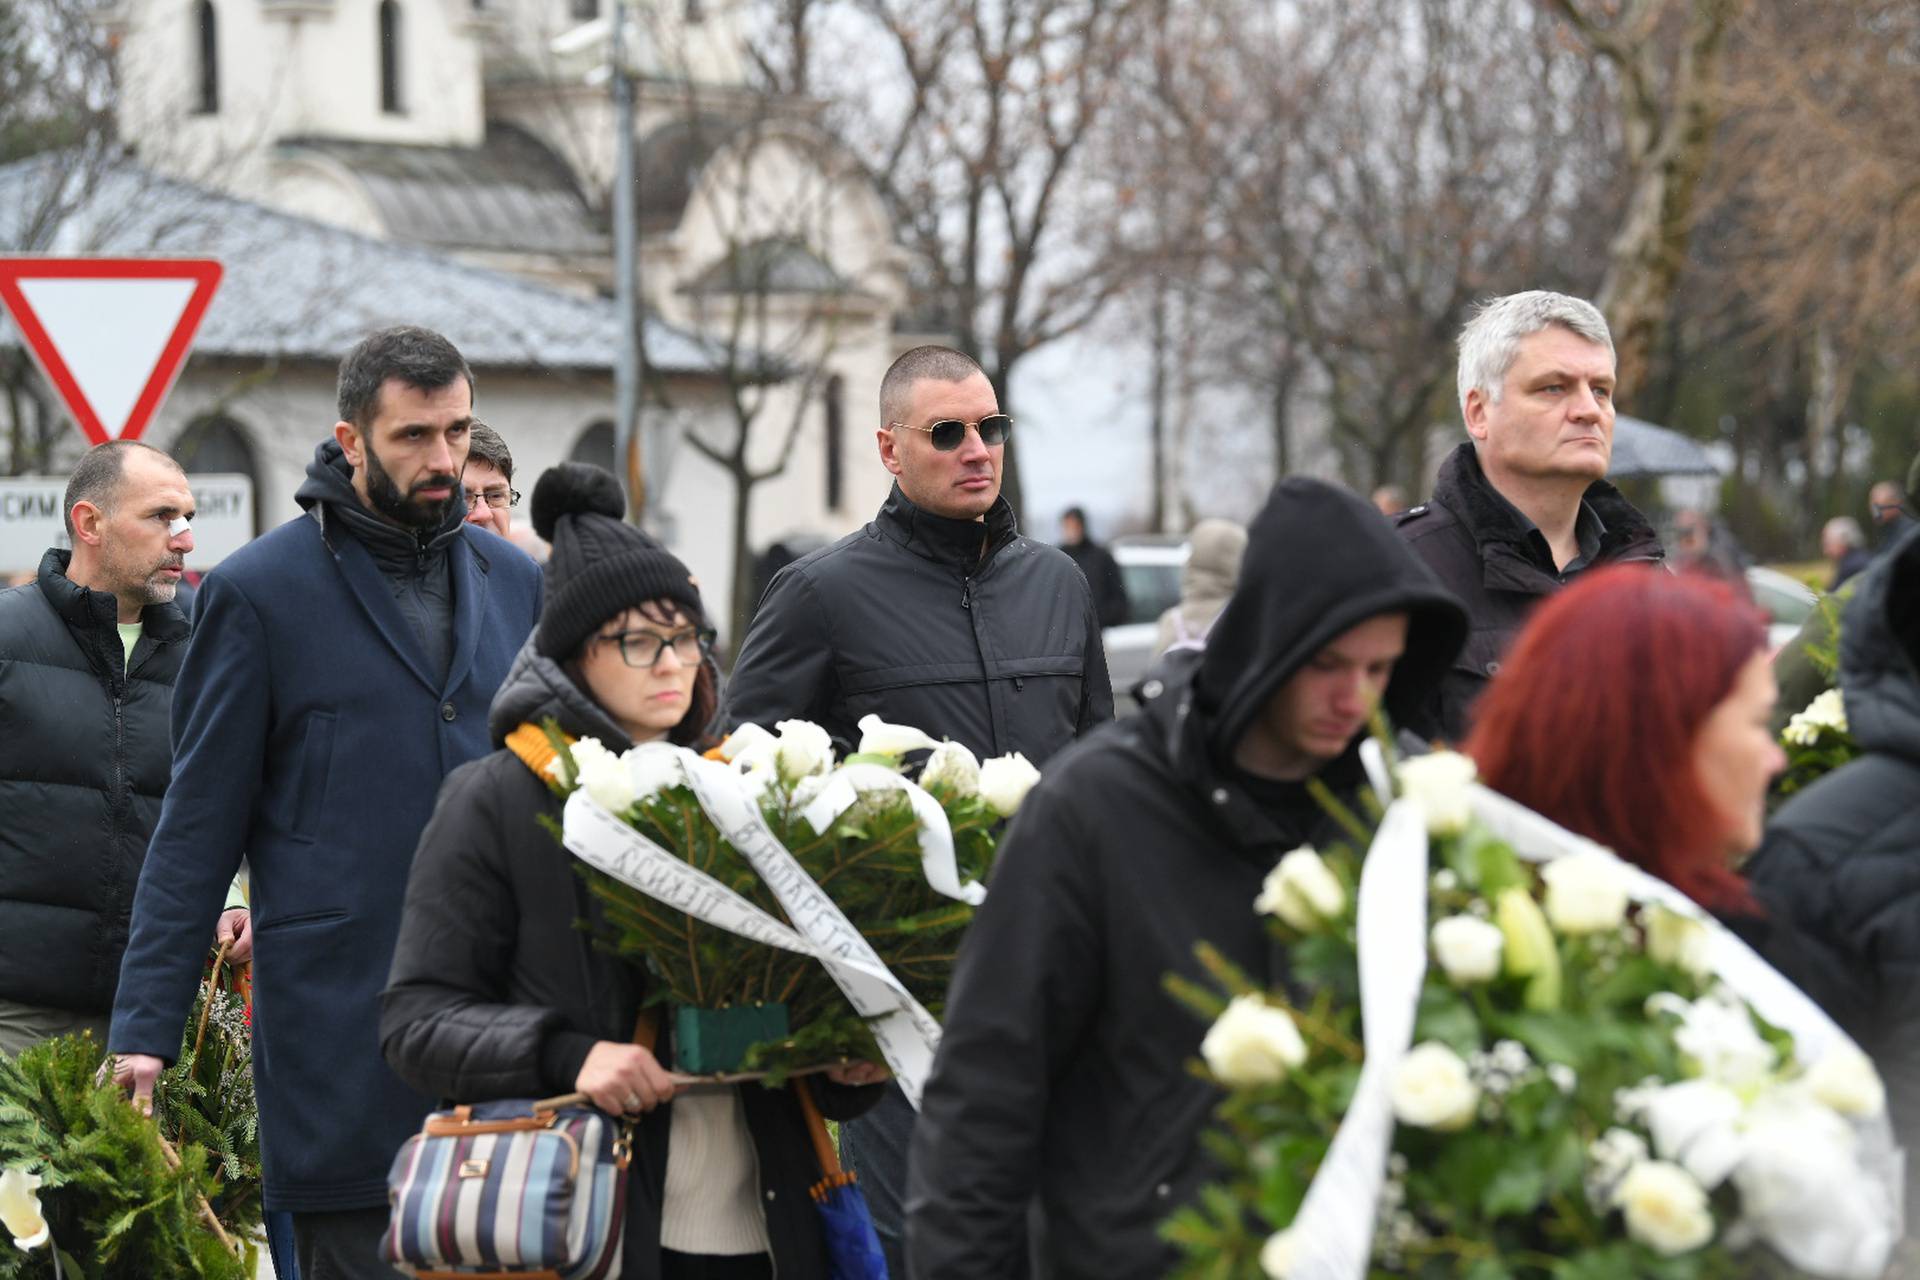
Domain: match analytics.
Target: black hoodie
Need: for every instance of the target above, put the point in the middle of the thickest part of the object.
(413, 564)
(1062, 1069)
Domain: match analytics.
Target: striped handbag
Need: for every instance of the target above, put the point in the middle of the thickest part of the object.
(511, 1189)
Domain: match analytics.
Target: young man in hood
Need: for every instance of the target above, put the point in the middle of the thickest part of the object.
(1062, 1068)
(341, 666)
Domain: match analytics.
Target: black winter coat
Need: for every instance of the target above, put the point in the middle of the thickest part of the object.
(1484, 551)
(84, 762)
(1062, 1065)
(496, 993)
(911, 620)
(1841, 859)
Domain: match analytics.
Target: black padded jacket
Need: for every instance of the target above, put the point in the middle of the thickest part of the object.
(84, 760)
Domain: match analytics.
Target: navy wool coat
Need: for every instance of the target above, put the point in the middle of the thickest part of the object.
(310, 736)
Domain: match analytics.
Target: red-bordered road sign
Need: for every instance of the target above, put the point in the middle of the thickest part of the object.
(110, 334)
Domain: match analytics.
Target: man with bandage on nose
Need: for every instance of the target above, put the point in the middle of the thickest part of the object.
(88, 655)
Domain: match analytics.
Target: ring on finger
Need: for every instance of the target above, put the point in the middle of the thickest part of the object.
(633, 1102)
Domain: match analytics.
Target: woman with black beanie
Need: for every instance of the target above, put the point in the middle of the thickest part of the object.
(496, 992)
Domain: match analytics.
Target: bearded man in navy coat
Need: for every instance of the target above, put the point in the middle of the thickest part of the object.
(341, 667)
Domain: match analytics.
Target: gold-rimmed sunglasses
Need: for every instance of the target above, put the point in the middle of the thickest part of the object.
(947, 433)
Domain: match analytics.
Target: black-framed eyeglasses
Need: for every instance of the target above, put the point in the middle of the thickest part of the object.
(642, 649)
(947, 433)
(498, 499)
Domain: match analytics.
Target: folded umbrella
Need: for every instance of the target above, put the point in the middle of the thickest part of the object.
(853, 1247)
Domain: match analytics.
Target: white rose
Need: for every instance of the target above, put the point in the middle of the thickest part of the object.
(653, 767)
(805, 748)
(1717, 1033)
(1302, 891)
(1828, 711)
(877, 737)
(1586, 893)
(1005, 781)
(1252, 1043)
(1679, 941)
(603, 775)
(955, 767)
(1468, 949)
(1432, 1090)
(1696, 1124)
(747, 746)
(1845, 1080)
(1665, 1207)
(20, 1209)
(1276, 1255)
(1440, 783)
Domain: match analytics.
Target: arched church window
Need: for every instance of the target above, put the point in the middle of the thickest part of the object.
(207, 30)
(219, 445)
(391, 99)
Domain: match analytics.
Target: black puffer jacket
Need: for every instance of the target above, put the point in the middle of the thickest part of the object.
(1062, 1066)
(966, 630)
(1484, 551)
(495, 993)
(1841, 860)
(84, 761)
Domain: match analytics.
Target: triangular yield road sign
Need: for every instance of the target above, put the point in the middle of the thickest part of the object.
(110, 334)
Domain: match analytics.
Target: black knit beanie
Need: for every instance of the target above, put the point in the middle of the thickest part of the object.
(601, 566)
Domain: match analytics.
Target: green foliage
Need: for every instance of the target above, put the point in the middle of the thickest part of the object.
(1506, 1196)
(868, 862)
(118, 1209)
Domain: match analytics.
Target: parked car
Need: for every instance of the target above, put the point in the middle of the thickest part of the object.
(1150, 570)
(1787, 602)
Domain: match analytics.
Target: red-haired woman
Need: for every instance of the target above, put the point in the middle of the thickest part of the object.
(1634, 711)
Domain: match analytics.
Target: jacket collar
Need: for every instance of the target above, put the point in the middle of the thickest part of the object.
(963, 544)
(328, 492)
(85, 609)
(1512, 548)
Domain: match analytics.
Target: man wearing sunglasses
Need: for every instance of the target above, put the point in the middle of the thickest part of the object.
(937, 614)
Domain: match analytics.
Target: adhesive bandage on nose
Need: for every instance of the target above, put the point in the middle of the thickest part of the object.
(178, 525)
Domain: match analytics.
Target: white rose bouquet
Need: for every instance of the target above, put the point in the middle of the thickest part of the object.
(899, 852)
(1817, 741)
(1582, 1097)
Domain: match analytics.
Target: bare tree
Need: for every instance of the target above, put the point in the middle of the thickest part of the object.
(1359, 172)
(1668, 58)
(1818, 182)
(975, 129)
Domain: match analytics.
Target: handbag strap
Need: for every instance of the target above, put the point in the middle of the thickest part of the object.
(822, 1143)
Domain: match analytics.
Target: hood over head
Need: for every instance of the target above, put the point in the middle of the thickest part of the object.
(1319, 562)
(1880, 652)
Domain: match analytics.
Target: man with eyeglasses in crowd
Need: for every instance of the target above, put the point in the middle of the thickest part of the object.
(487, 481)
(936, 614)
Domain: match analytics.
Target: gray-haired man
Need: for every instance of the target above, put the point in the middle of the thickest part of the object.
(1523, 505)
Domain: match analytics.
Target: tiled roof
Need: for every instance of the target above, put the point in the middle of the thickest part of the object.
(509, 194)
(299, 289)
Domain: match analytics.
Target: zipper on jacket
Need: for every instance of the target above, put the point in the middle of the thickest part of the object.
(966, 592)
